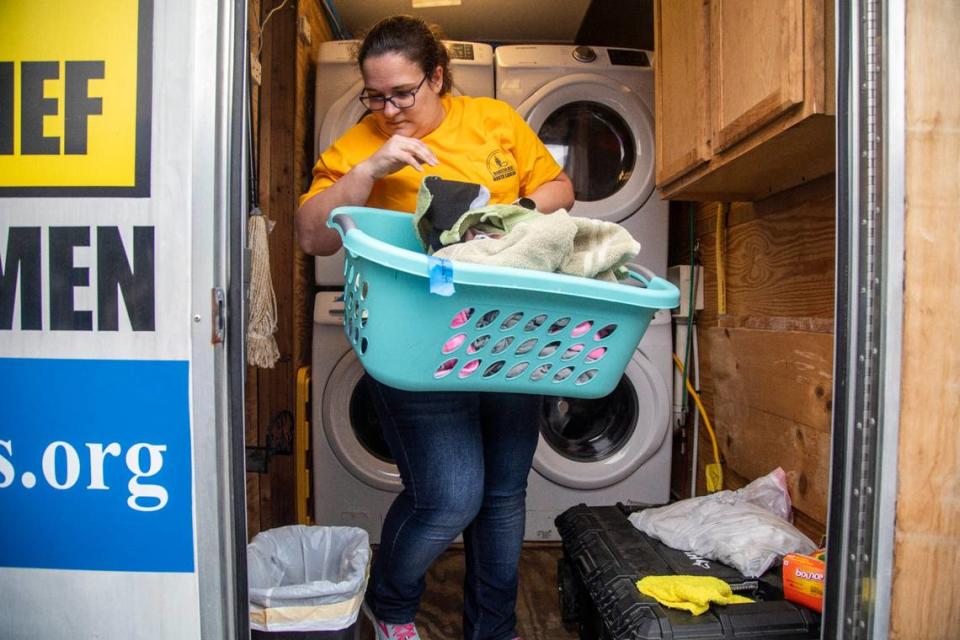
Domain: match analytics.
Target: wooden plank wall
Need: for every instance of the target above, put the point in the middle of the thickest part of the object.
(926, 562)
(283, 107)
(767, 363)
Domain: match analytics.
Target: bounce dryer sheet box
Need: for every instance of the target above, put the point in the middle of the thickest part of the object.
(803, 578)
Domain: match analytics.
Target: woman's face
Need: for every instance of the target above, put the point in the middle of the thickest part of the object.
(391, 73)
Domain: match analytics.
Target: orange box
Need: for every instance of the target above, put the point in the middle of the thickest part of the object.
(803, 578)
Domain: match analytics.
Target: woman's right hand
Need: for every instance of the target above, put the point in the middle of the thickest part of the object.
(397, 153)
(353, 188)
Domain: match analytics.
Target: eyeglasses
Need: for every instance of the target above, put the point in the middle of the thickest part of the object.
(401, 99)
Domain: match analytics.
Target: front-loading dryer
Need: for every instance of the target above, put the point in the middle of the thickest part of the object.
(337, 108)
(593, 109)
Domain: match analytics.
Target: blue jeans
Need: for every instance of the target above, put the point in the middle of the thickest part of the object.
(464, 460)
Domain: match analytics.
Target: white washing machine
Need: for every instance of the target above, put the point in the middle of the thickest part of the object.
(612, 449)
(354, 478)
(593, 108)
(337, 107)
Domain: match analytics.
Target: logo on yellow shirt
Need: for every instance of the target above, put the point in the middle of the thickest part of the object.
(500, 165)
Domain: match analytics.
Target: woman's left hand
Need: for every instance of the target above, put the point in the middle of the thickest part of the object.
(554, 195)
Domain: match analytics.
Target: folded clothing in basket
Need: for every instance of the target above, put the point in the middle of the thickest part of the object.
(449, 213)
(557, 242)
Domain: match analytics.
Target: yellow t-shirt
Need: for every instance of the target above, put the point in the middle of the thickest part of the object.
(480, 140)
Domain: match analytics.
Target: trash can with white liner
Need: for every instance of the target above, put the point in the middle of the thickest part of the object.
(307, 582)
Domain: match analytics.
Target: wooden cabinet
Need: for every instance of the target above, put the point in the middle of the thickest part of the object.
(682, 88)
(744, 96)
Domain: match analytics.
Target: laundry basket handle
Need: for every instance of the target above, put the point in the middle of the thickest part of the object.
(344, 221)
(642, 270)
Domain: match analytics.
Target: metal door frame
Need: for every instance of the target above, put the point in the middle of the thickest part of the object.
(869, 317)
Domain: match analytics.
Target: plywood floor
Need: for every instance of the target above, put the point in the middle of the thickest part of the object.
(538, 609)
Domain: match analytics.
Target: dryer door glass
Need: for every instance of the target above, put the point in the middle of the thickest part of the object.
(366, 424)
(589, 430)
(594, 145)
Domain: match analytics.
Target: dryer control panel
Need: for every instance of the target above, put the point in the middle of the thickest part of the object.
(629, 57)
(460, 50)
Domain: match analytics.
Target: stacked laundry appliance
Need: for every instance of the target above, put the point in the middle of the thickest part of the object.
(593, 108)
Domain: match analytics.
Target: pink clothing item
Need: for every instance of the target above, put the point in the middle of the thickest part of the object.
(454, 343)
(445, 368)
(572, 351)
(469, 368)
(596, 354)
(581, 329)
(462, 317)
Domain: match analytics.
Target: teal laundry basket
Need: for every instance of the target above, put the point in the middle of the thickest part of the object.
(503, 329)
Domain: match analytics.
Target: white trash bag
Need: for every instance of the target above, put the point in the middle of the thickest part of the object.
(305, 578)
(748, 529)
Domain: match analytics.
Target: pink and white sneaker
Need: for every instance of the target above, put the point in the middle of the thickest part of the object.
(387, 631)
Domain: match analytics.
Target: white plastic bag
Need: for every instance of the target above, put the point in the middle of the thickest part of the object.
(748, 529)
(307, 578)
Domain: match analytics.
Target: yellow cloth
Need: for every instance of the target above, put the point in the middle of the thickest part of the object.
(481, 140)
(692, 593)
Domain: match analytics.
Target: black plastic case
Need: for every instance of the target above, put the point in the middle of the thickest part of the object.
(603, 557)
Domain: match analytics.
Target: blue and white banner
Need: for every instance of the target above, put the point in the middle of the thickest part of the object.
(95, 445)
(106, 158)
(95, 465)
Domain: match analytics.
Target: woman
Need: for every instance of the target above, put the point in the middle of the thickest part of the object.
(463, 457)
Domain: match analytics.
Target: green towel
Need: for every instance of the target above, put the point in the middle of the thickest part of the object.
(441, 204)
(492, 219)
